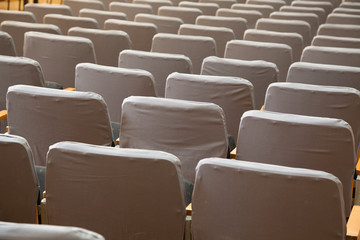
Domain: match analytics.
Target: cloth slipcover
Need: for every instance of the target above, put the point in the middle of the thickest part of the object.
(101, 16)
(320, 12)
(347, 4)
(130, 9)
(339, 30)
(77, 5)
(251, 16)
(155, 4)
(276, 4)
(188, 15)
(348, 10)
(164, 24)
(264, 9)
(221, 3)
(208, 8)
(327, 6)
(40, 10)
(66, 22)
(189, 130)
(341, 18)
(331, 41)
(20, 16)
(7, 45)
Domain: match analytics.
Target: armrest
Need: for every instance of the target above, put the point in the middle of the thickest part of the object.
(233, 153)
(353, 224)
(69, 89)
(358, 165)
(3, 114)
(189, 210)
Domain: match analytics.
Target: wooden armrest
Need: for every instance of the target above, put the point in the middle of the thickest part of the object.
(233, 153)
(117, 141)
(358, 164)
(353, 224)
(262, 108)
(69, 89)
(3, 114)
(189, 210)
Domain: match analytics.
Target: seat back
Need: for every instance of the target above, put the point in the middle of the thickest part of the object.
(327, 6)
(56, 115)
(348, 10)
(343, 18)
(155, 4)
(188, 15)
(259, 73)
(40, 10)
(276, 4)
(353, 5)
(332, 41)
(141, 191)
(7, 45)
(130, 9)
(20, 16)
(234, 95)
(18, 182)
(320, 12)
(221, 3)
(189, 130)
(164, 24)
(113, 84)
(77, 5)
(251, 16)
(208, 8)
(264, 9)
(101, 16)
(58, 55)
(228, 199)
(317, 143)
(66, 22)
(339, 30)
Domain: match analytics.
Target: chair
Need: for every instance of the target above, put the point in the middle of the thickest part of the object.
(188, 15)
(56, 115)
(19, 184)
(189, 130)
(208, 8)
(40, 10)
(7, 45)
(353, 5)
(294, 40)
(20, 231)
(114, 84)
(155, 4)
(347, 10)
(332, 55)
(259, 73)
(276, 4)
(221, 35)
(302, 142)
(237, 24)
(221, 3)
(343, 18)
(320, 12)
(20, 16)
(141, 34)
(163, 24)
(327, 6)
(280, 54)
(265, 10)
(66, 22)
(107, 43)
(160, 65)
(332, 41)
(18, 29)
(229, 198)
(251, 16)
(101, 16)
(141, 192)
(195, 47)
(339, 30)
(234, 95)
(58, 55)
(77, 5)
(130, 9)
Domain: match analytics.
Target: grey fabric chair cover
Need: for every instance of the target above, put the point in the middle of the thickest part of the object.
(141, 34)
(130, 9)
(18, 231)
(251, 16)
(66, 22)
(77, 5)
(56, 115)
(264, 9)
(160, 65)
(18, 181)
(320, 12)
(107, 43)
(188, 15)
(334, 3)
(259, 73)
(234, 95)
(221, 35)
(189, 130)
(7, 45)
(18, 29)
(347, 10)
(332, 55)
(340, 30)
(294, 40)
(101, 16)
(353, 5)
(291, 140)
(221, 3)
(113, 84)
(280, 54)
(155, 4)
(194, 47)
(244, 200)
(58, 55)
(332, 41)
(164, 24)
(119, 193)
(40, 10)
(276, 4)
(237, 24)
(280, 25)
(208, 8)
(327, 6)
(343, 18)
(20, 16)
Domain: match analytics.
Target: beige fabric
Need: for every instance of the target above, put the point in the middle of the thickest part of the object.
(107, 43)
(264, 9)
(335, 3)
(188, 15)
(20, 16)
(139, 191)
(18, 29)
(221, 35)
(280, 54)
(327, 6)
(56, 115)
(18, 181)
(66, 22)
(155, 4)
(159, 64)
(17, 231)
(77, 5)
(101, 16)
(237, 24)
(131, 9)
(301, 141)
(234, 95)
(276, 4)
(251, 16)
(208, 8)
(164, 24)
(259, 73)
(339, 30)
(332, 55)
(40, 10)
(343, 18)
(320, 12)
(353, 5)
(347, 10)
(114, 84)
(141, 34)
(221, 3)
(195, 47)
(58, 55)
(243, 200)
(332, 41)
(7, 45)
(294, 40)
(189, 130)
